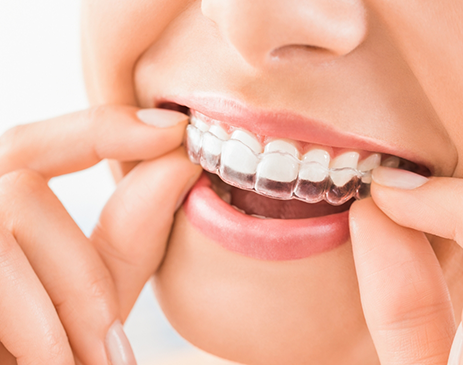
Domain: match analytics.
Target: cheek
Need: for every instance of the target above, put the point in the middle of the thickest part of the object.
(289, 310)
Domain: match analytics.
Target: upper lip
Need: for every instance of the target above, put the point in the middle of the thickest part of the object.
(285, 124)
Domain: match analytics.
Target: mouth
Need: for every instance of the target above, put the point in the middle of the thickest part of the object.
(276, 198)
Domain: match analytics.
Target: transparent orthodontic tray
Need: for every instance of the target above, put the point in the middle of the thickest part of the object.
(336, 186)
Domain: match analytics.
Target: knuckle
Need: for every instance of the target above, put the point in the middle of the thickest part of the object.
(99, 284)
(21, 182)
(9, 141)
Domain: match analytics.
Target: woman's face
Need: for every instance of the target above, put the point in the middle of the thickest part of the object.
(350, 75)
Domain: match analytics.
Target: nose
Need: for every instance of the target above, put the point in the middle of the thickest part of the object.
(266, 30)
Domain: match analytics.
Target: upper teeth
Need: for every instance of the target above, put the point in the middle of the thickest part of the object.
(278, 168)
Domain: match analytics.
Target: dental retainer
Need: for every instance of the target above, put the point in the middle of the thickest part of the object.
(277, 172)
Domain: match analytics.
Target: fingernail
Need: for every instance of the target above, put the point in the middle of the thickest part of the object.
(396, 178)
(457, 345)
(161, 118)
(186, 190)
(118, 347)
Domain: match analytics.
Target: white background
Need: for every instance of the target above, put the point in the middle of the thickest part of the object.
(41, 77)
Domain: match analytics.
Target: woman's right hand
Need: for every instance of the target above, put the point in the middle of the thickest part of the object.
(63, 294)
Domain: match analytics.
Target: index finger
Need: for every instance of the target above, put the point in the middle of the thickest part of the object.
(80, 140)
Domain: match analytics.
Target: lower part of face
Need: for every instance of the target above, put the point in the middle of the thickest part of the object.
(263, 312)
(375, 79)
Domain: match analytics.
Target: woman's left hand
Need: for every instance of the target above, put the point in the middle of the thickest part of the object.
(403, 291)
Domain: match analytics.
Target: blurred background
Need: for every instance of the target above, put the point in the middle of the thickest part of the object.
(41, 77)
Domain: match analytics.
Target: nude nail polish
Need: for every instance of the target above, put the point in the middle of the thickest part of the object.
(396, 178)
(161, 118)
(118, 347)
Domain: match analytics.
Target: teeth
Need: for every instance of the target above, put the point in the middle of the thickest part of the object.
(198, 123)
(370, 163)
(392, 161)
(238, 164)
(219, 132)
(238, 209)
(212, 147)
(248, 139)
(211, 150)
(276, 174)
(260, 216)
(280, 145)
(277, 169)
(194, 139)
(344, 168)
(315, 165)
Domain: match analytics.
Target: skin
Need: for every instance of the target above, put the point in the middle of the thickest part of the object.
(389, 296)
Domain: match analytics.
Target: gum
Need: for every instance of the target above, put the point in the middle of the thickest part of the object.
(208, 150)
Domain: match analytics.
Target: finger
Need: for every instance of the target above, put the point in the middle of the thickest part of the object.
(79, 140)
(404, 296)
(135, 224)
(435, 207)
(69, 267)
(5, 357)
(30, 329)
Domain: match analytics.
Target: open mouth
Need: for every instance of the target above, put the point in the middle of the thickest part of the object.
(271, 180)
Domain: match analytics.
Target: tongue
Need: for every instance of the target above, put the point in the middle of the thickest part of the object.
(253, 203)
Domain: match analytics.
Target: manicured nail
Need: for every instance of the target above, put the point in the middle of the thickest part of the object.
(457, 345)
(396, 178)
(161, 118)
(118, 347)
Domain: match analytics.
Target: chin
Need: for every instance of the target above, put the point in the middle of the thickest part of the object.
(256, 311)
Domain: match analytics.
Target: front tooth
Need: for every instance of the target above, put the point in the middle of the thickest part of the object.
(198, 123)
(370, 163)
(276, 167)
(343, 168)
(392, 161)
(219, 132)
(280, 145)
(248, 139)
(318, 155)
(276, 174)
(238, 164)
(314, 165)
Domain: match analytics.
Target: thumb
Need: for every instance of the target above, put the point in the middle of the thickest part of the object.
(404, 296)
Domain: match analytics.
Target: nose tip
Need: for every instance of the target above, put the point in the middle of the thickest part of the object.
(264, 30)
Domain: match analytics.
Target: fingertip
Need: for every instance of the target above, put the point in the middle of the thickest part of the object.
(161, 118)
(360, 210)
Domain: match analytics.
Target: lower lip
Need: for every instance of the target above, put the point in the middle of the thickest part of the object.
(263, 239)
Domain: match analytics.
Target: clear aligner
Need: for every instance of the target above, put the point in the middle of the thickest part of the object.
(277, 171)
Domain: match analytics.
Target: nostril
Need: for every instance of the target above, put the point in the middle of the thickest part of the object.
(303, 53)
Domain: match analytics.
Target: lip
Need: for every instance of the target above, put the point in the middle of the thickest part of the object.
(263, 239)
(285, 124)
